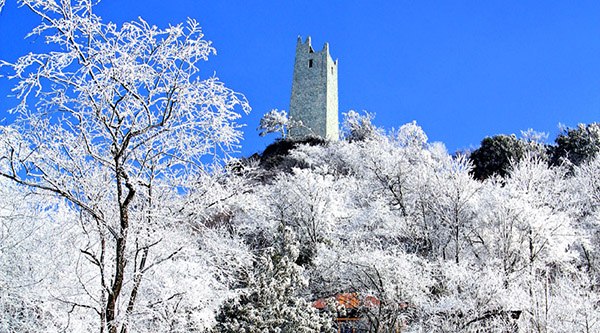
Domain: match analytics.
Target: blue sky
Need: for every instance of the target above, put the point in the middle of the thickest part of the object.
(462, 69)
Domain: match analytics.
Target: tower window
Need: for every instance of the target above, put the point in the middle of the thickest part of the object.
(310, 63)
(331, 70)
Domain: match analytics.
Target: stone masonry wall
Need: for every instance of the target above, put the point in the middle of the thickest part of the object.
(314, 99)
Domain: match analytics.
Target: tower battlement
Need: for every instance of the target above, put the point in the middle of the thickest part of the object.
(314, 99)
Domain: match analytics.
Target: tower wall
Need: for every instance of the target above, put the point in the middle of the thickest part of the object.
(314, 99)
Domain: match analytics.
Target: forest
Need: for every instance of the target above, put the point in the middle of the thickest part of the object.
(121, 210)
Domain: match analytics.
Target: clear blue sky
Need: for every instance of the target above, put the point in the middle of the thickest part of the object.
(462, 69)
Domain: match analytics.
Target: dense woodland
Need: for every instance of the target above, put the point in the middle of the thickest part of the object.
(112, 219)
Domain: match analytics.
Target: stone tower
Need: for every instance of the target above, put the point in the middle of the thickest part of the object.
(314, 98)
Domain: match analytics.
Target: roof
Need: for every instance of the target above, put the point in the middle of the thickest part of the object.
(349, 301)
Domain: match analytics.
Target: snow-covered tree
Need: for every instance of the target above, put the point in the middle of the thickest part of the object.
(455, 208)
(356, 127)
(271, 300)
(576, 145)
(35, 236)
(119, 124)
(276, 121)
(306, 202)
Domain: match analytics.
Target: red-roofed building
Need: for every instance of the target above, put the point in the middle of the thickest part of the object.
(350, 319)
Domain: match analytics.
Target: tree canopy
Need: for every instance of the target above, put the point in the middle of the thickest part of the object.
(576, 145)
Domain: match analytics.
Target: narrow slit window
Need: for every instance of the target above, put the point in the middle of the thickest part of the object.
(310, 63)
(331, 70)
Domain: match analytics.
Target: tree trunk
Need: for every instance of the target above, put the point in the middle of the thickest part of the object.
(115, 291)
